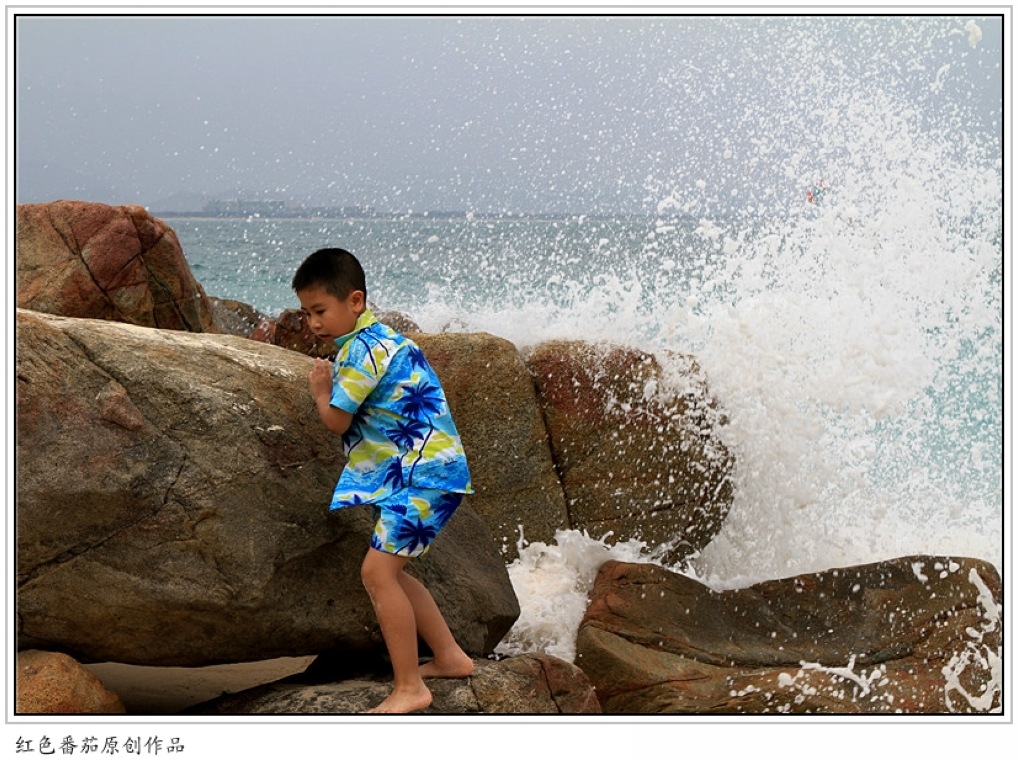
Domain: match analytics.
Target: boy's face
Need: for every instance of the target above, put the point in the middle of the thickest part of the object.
(328, 316)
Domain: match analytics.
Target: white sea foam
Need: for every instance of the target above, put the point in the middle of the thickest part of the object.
(553, 583)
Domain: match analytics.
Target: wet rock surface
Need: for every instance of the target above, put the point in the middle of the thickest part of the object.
(635, 446)
(911, 635)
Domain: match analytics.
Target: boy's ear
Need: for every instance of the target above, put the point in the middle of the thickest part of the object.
(357, 300)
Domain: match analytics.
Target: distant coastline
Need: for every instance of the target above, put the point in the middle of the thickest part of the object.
(359, 213)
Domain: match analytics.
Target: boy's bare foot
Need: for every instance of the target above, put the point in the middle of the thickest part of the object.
(451, 667)
(405, 701)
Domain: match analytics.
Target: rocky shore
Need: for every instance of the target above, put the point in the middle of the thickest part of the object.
(171, 481)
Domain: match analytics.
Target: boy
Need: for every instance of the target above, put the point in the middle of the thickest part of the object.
(404, 458)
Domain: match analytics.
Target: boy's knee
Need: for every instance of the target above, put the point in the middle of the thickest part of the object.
(369, 575)
(378, 569)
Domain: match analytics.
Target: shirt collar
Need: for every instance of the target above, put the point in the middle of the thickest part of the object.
(365, 319)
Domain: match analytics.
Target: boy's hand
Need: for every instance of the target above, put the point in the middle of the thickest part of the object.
(320, 379)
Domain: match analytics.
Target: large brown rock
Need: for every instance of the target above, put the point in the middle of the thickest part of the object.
(234, 317)
(526, 684)
(172, 507)
(911, 635)
(634, 443)
(55, 683)
(290, 330)
(493, 400)
(107, 262)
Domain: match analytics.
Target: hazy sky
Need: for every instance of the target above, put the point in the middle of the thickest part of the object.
(577, 114)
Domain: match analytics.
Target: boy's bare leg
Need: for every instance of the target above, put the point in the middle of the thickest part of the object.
(380, 574)
(449, 660)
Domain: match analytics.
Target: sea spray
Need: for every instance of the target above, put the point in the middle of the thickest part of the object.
(553, 583)
(855, 344)
(854, 340)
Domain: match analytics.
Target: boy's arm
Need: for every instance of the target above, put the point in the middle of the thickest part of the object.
(320, 381)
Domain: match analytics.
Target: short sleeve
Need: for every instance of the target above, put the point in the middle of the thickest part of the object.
(353, 379)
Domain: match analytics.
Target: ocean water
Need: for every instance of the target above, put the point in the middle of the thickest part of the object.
(855, 341)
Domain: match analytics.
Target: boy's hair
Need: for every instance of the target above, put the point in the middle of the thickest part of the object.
(334, 269)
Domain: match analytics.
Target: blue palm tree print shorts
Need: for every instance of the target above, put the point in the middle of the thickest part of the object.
(407, 522)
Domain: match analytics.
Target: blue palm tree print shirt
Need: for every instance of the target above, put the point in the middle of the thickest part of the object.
(402, 434)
